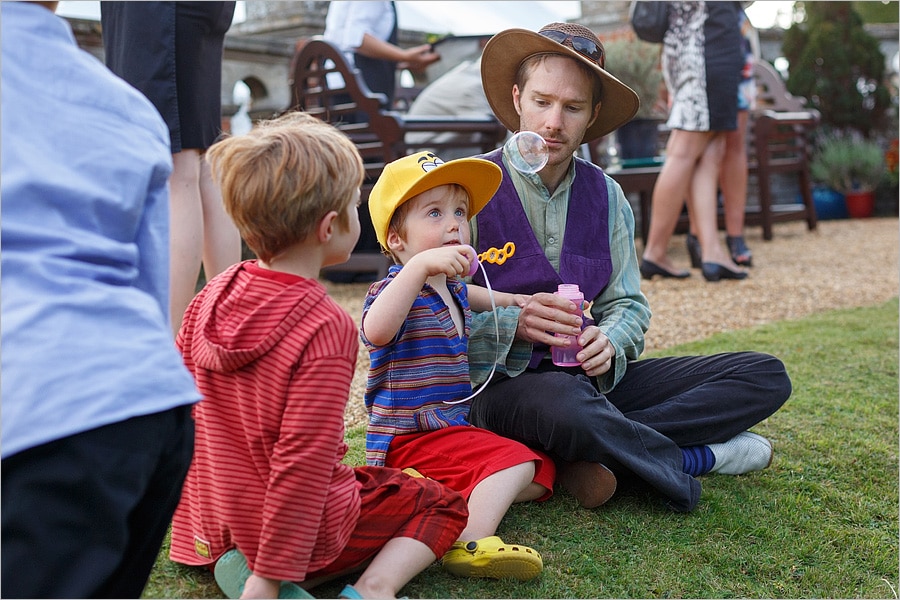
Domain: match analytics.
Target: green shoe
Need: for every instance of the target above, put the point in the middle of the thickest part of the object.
(350, 592)
(232, 573)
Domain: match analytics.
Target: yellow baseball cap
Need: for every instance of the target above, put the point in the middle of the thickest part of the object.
(420, 172)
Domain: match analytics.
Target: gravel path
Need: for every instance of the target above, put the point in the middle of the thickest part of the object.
(846, 263)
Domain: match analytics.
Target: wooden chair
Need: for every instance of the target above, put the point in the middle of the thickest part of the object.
(779, 132)
(780, 144)
(323, 84)
(778, 135)
(771, 92)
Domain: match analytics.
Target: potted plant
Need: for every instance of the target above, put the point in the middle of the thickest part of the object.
(852, 166)
(636, 64)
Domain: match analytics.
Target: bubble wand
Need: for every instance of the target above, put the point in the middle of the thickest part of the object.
(527, 153)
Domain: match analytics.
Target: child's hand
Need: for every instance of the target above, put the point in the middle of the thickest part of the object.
(451, 261)
(521, 300)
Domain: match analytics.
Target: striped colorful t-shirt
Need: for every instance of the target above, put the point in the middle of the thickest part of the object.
(412, 379)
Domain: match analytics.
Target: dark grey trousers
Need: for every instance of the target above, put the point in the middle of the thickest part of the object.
(659, 406)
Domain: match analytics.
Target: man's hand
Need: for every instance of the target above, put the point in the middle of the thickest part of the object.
(597, 354)
(543, 315)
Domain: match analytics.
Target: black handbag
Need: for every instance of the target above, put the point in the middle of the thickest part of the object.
(650, 20)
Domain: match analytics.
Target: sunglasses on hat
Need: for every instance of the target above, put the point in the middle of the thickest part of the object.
(584, 46)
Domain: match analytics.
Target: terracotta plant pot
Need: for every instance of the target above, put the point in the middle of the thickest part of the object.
(860, 205)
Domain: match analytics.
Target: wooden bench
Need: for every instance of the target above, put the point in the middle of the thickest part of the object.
(323, 84)
(778, 141)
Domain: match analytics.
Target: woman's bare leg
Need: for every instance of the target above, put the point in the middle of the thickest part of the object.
(683, 150)
(221, 240)
(185, 232)
(704, 209)
(200, 231)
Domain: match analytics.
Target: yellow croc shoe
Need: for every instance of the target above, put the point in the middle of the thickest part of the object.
(490, 557)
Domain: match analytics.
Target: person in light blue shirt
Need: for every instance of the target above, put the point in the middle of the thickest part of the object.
(96, 427)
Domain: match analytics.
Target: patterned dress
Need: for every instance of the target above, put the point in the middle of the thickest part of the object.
(702, 63)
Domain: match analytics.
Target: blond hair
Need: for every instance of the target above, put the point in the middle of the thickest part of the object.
(280, 179)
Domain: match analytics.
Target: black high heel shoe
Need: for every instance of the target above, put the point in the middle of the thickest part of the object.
(693, 248)
(649, 269)
(715, 272)
(740, 253)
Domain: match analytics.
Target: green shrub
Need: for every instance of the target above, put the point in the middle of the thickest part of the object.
(848, 163)
(838, 67)
(636, 64)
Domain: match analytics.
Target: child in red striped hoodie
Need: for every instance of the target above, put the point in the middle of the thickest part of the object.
(267, 494)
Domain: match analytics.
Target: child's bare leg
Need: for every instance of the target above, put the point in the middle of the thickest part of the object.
(492, 497)
(400, 560)
(478, 552)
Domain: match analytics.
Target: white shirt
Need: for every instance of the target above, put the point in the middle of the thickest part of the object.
(347, 23)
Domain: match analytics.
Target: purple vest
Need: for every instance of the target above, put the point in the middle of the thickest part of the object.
(585, 257)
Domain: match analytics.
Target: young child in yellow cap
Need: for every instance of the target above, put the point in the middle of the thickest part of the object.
(415, 325)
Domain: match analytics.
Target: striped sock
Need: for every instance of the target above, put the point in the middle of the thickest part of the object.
(698, 460)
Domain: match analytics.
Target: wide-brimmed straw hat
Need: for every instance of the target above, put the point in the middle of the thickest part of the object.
(420, 172)
(506, 50)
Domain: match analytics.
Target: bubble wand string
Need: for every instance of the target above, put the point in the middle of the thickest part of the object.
(487, 283)
(527, 153)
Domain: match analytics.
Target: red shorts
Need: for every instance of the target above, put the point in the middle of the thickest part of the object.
(397, 505)
(461, 457)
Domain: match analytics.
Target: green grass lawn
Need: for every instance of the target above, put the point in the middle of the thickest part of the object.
(822, 521)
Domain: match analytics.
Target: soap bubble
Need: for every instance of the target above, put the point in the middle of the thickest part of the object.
(527, 152)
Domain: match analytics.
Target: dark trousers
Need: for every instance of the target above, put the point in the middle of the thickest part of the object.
(85, 516)
(659, 406)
